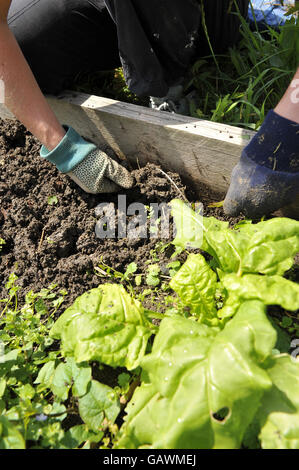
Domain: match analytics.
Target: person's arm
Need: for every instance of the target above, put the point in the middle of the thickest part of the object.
(288, 107)
(4, 7)
(23, 96)
(86, 164)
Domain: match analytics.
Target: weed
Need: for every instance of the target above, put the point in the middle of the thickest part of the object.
(241, 86)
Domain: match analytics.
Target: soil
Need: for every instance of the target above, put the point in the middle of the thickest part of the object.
(51, 240)
(48, 224)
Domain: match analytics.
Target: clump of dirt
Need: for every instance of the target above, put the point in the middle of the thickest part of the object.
(48, 222)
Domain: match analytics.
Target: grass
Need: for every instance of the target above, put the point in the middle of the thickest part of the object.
(110, 83)
(236, 88)
(241, 86)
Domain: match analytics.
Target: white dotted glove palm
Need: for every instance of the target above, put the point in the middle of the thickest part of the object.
(87, 165)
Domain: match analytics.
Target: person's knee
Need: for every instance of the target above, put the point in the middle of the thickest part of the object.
(61, 38)
(31, 23)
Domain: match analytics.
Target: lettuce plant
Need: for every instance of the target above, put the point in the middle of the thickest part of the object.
(216, 377)
(213, 377)
(203, 386)
(106, 325)
(268, 247)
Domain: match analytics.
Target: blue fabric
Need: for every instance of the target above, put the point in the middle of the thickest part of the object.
(69, 152)
(268, 12)
(276, 144)
(267, 175)
(256, 190)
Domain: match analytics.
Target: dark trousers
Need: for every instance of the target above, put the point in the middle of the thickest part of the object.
(61, 38)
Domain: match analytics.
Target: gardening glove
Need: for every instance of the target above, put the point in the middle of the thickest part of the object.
(267, 176)
(87, 165)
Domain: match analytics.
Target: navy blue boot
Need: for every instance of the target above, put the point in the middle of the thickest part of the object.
(267, 176)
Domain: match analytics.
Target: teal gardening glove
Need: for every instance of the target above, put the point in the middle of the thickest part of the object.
(87, 165)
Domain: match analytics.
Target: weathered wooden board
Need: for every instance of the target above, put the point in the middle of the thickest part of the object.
(201, 151)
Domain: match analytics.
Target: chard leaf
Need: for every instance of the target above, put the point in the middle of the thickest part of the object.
(99, 402)
(267, 247)
(88, 302)
(279, 412)
(147, 406)
(271, 290)
(272, 247)
(10, 437)
(191, 227)
(202, 387)
(195, 283)
(105, 325)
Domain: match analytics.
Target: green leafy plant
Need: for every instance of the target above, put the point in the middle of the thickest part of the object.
(52, 200)
(173, 267)
(240, 86)
(268, 247)
(204, 381)
(153, 275)
(2, 242)
(216, 375)
(39, 389)
(202, 386)
(106, 325)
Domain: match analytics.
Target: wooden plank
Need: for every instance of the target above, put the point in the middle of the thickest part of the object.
(200, 151)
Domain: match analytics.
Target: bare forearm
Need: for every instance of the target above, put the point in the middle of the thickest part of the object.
(288, 106)
(23, 96)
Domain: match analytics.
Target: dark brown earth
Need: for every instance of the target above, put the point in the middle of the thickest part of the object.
(52, 241)
(55, 243)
